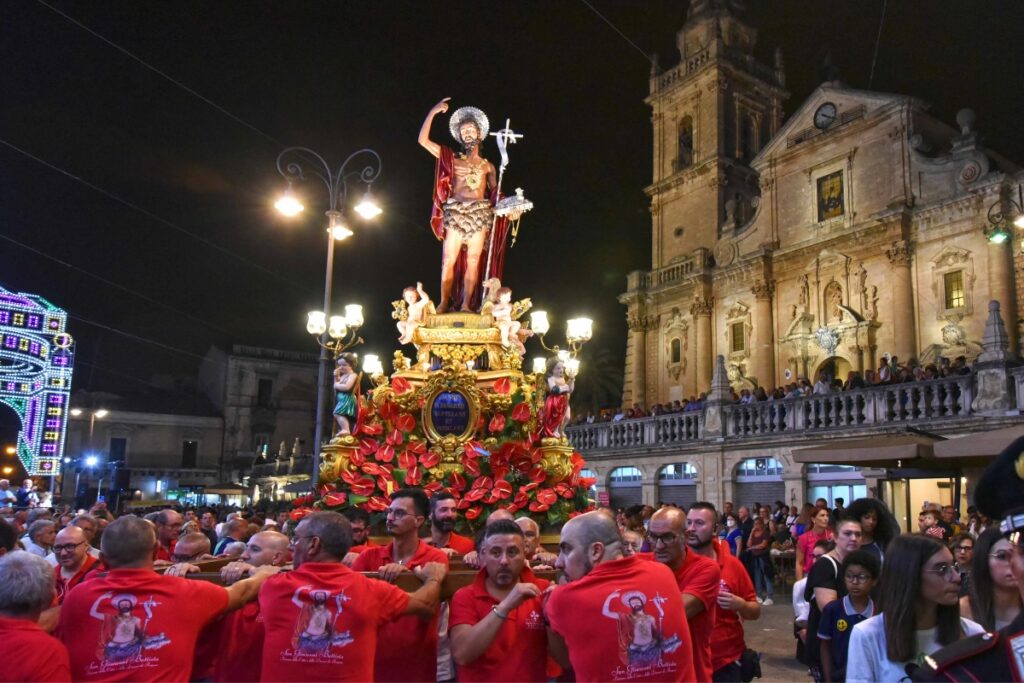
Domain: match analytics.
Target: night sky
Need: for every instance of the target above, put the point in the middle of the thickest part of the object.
(203, 259)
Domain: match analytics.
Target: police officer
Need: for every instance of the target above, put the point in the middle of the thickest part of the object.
(995, 656)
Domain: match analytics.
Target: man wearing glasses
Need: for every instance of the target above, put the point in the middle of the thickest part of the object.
(168, 528)
(74, 563)
(415, 637)
(698, 578)
(997, 656)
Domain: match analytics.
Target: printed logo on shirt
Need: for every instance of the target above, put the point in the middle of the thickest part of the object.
(534, 622)
(316, 636)
(124, 641)
(641, 639)
(842, 625)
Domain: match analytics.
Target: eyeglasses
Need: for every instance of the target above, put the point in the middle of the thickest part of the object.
(857, 578)
(397, 513)
(66, 548)
(946, 571)
(964, 548)
(664, 539)
(1004, 556)
(176, 557)
(295, 539)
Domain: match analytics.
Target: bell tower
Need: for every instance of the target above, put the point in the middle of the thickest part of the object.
(711, 113)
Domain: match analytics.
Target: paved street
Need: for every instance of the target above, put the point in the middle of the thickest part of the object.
(772, 636)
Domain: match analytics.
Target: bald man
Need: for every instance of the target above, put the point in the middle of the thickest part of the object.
(74, 563)
(230, 649)
(697, 577)
(618, 617)
(194, 547)
(536, 556)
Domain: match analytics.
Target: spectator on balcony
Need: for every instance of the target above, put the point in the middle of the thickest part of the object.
(819, 531)
(960, 366)
(638, 410)
(677, 406)
(822, 386)
(760, 394)
(853, 381)
(884, 371)
(994, 600)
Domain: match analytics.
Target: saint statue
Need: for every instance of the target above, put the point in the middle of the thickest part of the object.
(465, 192)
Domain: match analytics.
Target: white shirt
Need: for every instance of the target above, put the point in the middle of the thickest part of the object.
(867, 661)
(801, 608)
(822, 387)
(35, 549)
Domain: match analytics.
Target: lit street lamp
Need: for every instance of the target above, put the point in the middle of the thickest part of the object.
(335, 333)
(90, 460)
(578, 332)
(999, 214)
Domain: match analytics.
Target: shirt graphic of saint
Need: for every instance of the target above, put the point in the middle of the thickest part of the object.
(640, 638)
(315, 627)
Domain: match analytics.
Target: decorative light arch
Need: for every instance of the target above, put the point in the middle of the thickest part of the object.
(36, 360)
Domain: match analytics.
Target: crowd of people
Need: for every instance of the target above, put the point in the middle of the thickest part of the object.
(641, 594)
(890, 371)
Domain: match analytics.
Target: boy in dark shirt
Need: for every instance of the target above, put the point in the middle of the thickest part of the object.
(859, 572)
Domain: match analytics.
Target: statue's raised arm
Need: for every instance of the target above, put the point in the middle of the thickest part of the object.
(425, 141)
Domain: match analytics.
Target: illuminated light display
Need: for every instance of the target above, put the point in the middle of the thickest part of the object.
(36, 361)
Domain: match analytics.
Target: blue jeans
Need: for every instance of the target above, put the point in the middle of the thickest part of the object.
(762, 583)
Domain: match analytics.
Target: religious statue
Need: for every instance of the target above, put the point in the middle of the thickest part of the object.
(555, 415)
(346, 386)
(416, 304)
(466, 188)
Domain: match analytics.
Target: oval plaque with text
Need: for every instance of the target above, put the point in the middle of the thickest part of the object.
(449, 413)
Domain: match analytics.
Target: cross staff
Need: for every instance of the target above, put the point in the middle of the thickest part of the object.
(504, 137)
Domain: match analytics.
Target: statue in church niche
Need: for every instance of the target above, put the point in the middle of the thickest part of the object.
(805, 293)
(834, 302)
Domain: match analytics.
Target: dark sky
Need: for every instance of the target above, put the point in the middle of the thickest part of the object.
(336, 76)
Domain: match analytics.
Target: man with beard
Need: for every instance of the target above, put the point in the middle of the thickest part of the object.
(497, 632)
(737, 599)
(465, 191)
(442, 526)
(698, 579)
(414, 637)
(359, 519)
(594, 617)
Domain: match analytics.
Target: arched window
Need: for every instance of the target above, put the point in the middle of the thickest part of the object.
(759, 467)
(676, 348)
(748, 141)
(626, 475)
(684, 156)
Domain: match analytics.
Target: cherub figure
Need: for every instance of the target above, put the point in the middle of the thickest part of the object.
(346, 386)
(417, 303)
(501, 313)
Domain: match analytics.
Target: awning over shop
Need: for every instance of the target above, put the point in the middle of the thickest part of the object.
(877, 451)
(227, 489)
(977, 450)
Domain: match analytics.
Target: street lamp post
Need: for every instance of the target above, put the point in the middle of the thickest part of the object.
(293, 164)
(91, 459)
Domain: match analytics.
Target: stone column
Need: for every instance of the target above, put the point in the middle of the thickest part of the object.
(903, 327)
(762, 360)
(638, 357)
(1001, 282)
(701, 312)
(994, 392)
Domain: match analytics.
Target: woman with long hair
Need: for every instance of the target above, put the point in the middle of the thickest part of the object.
(878, 526)
(920, 612)
(819, 531)
(994, 600)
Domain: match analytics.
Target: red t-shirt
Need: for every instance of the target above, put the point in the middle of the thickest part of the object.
(163, 553)
(460, 544)
(727, 634)
(321, 623)
(62, 585)
(136, 625)
(32, 654)
(805, 547)
(240, 639)
(408, 649)
(699, 576)
(519, 650)
(358, 549)
(624, 621)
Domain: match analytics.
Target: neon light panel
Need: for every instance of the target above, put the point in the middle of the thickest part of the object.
(36, 361)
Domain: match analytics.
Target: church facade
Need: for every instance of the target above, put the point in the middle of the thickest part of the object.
(854, 228)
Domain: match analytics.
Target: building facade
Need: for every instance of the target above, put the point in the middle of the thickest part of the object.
(802, 247)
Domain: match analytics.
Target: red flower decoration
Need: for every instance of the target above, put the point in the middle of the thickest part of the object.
(405, 422)
(367, 446)
(400, 385)
(377, 504)
(389, 411)
(363, 486)
(463, 504)
(537, 506)
(458, 482)
(335, 498)
(482, 483)
(406, 460)
(587, 482)
(327, 488)
(417, 447)
(529, 487)
(521, 412)
(547, 496)
(357, 459)
(433, 487)
(472, 513)
(296, 515)
(372, 428)
(470, 466)
(521, 499)
(497, 423)
(413, 476)
(475, 495)
(395, 437)
(502, 489)
(502, 386)
(373, 469)
(386, 453)
(430, 459)
(537, 474)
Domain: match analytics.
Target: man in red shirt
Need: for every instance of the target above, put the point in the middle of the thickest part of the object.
(618, 618)
(443, 517)
(497, 631)
(322, 620)
(26, 589)
(74, 563)
(737, 600)
(408, 646)
(698, 579)
(360, 521)
(132, 624)
(168, 528)
(231, 648)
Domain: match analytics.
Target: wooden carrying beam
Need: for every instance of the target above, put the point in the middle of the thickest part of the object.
(407, 581)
